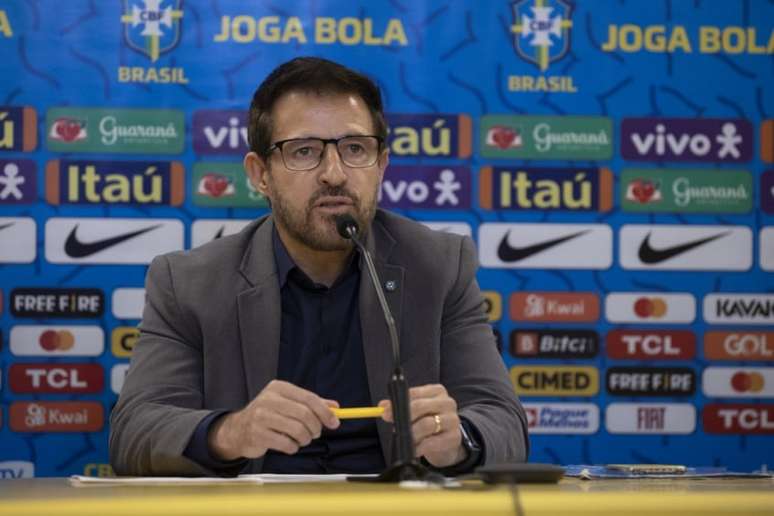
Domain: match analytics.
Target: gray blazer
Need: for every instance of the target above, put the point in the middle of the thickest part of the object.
(210, 336)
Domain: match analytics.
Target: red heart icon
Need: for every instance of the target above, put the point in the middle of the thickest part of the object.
(643, 190)
(68, 129)
(503, 136)
(215, 184)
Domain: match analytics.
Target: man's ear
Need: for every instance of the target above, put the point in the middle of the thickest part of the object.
(384, 160)
(257, 171)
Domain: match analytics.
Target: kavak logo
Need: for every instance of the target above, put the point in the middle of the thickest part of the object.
(56, 341)
(56, 416)
(739, 345)
(562, 418)
(456, 228)
(651, 381)
(767, 141)
(555, 380)
(426, 187)
(128, 303)
(546, 137)
(430, 136)
(128, 131)
(545, 343)
(738, 418)
(493, 305)
(649, 307)
(18, 181)
(225, 185)
(571, 189)
(207, 230)
(687, 139)
(57, 302)
(56, 378)
(766, 248)
(738, 382)
(115, 182)
(152, 28)
(732, 308)
(545, 246)
(650, 418)
(18, 129)
(111, 240)
(673, 247)
(117, 376)
(651, 344)
(123, 339)
(17, 240)
(17, 469)
(220, 132)
(554, 306)
(767, 191)
(686, 191)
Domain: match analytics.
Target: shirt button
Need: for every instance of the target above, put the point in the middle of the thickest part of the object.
(391, 286)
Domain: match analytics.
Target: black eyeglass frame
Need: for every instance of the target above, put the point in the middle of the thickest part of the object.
(326, 141)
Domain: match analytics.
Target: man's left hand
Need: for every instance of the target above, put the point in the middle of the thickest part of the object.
(435, 425)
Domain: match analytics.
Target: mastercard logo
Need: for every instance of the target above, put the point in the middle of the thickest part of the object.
(52, 340)
(650, 307)
(747, 382)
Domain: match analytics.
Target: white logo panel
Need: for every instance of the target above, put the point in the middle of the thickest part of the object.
(207, 230)
(128, 303)
(738, 382)
(766, 248)
(57, 341)
(562, 418)
(735, 308)
(545, 246)
(650, 418)
(17, 469)
(458, 228)
(650, 307)
(117, 376)
(17, 240)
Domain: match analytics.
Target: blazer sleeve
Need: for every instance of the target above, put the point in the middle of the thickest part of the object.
(473, 371)
(161, 401)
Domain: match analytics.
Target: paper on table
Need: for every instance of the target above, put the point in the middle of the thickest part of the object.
(80, 480)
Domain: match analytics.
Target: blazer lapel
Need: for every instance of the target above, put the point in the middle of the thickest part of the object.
(260, 311)
(377, 347)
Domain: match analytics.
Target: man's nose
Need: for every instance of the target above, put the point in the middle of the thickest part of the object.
(332, 167)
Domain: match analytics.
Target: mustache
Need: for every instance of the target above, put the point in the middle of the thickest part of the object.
(333, 191)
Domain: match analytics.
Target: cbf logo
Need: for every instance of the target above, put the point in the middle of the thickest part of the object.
(541, 30)
(152, 27)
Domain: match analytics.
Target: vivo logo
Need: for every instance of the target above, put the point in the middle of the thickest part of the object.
(430, 187)
(220, 132)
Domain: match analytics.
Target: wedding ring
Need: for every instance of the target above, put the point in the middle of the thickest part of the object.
(438, 428)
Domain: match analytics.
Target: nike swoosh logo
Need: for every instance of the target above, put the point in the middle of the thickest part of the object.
(219, 234)
(74, 248)
(6, 226)
(514, 254)
(649, 255)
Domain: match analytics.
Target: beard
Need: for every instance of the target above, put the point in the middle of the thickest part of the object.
(318, 232)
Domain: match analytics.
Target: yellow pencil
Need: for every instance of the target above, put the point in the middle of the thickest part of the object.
(357, 412)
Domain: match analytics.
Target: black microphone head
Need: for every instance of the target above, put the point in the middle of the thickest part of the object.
(346, 225)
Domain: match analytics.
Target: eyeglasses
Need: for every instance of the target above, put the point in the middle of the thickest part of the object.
(301, 154)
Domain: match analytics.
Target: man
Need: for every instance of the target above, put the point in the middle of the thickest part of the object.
(247, 342)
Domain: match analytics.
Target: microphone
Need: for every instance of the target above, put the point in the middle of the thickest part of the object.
(405, 465)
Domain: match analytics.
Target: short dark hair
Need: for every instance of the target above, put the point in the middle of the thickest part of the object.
(308, 75)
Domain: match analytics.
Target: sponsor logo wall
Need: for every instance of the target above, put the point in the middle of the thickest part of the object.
(617, 180)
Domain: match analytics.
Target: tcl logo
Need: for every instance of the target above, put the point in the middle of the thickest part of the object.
(738, 419)
(54, 378)
(720, 345)
(56, 416)
(651, 344)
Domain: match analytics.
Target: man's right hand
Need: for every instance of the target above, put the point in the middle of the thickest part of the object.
(283, 417)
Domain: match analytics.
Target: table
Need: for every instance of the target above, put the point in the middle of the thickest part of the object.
(55, 497)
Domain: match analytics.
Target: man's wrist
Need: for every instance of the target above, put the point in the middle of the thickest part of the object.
(219, 441)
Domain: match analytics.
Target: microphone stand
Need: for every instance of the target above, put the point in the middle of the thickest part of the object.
(405, 465)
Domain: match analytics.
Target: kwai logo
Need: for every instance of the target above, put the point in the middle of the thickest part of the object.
(18, 240)
(562, 418)
(145, 131)
(430, 136)
(571, 189)
(688, 191)
(115, 182)
(546, 343)
(686, 139)
(735, 308)
(427, 187)
(56, 416)
(650, 307)
(18, 181)
(651, 344)
(554, 306)
(650, 418)
(546, 137)
(224, 184)
(220, 132)
(18, 128)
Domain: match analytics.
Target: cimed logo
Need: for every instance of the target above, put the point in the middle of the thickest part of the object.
(541, 30)
(152, 27)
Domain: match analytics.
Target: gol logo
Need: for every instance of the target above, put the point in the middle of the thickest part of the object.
(739, 345)
(650, 307)
(52, 340)
(56, 416)
(747, 382)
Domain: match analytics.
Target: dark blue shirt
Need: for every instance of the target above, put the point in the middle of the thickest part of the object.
(320, 350)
